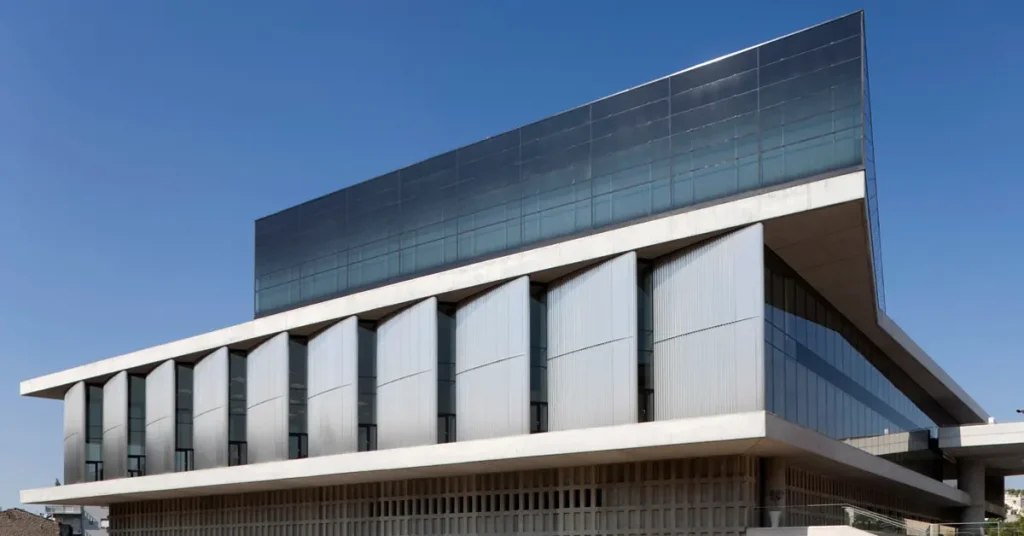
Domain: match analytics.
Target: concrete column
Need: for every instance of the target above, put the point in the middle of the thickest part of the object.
(970, 478)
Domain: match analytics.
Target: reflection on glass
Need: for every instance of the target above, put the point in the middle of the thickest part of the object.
(136, 425)
(538, 358)
(784, 111)
(367, 365)
(298, 438)
(93, 433)
(445, 373)
(821, 374)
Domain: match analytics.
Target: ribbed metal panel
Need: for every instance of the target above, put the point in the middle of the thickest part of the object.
(266, 417)
(592, 346)
(210, 410)
(708, 328)
(74, 434)
(160, 419)
(333, 398)
(492, 364)
(407, 377)
(115, 427)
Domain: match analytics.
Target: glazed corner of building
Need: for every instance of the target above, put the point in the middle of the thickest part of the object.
(765, 263)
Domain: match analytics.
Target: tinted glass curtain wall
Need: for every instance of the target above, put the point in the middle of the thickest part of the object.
(818, 367)
(783, 111)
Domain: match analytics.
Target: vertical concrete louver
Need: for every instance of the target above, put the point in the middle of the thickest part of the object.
(115, 427)
(709, 328)
(74, 434)
(210, 410)
(492, 363)
(266, 416)
(407, 377)
(592, 346)
(333, 403)
(160, 419)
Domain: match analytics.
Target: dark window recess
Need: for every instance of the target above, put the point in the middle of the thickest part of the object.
(183, 456)
(445, 373)
(237, 376)
(298, 443)
(538, 358)
(136, 425)
(367, 372)
(93, 433)
(645, 341)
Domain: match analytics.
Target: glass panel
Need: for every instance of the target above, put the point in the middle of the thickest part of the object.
(787, 110)
(538, 358)
(297, 378)
(445, 373)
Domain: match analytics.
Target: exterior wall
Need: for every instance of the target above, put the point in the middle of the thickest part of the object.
(592, 346)
(709, 328)
(160, 419)
(115, 427)
(74, 434)
(407, 377)
(333, 396)
(712, 496)
(266, 417)
(210, 410)
(492, 363)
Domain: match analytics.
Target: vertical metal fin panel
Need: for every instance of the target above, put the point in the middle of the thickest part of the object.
(709, 326)
(210, 410)
(592, 346)
(160, 419)
(492, 363)
(115, 427)
(266, 391)
(74, 434)
(407, 377)
(333, 404)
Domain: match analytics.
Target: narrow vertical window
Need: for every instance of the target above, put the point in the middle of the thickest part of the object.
(136, 426)
(538, 358)
(184, 459)
(445, 373)
(367, 386)
(238, 453)
(298, 439)
(93, 433)
(645, 341)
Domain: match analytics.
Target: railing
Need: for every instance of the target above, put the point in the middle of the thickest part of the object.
(835, 515)
(59, 509)
(861, 518)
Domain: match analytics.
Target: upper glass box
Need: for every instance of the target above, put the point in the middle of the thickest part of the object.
(787, 110)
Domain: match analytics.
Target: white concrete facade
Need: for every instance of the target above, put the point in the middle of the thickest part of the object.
(708, 342)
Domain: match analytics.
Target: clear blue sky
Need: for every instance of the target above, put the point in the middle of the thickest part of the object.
(139, 141)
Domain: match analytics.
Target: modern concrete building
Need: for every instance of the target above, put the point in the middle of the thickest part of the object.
(658, 313)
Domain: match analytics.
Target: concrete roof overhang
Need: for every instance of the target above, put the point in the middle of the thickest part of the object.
(818, 226)
(754, 433)
(999, 446)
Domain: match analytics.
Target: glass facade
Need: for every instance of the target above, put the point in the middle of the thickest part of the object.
(367, 371)
(818, 366)
(184, 453)
(445, 373)
(783, 111)
(538, 358)
(93, 433)
(298, 435)
(238, 450)
(136, 425)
